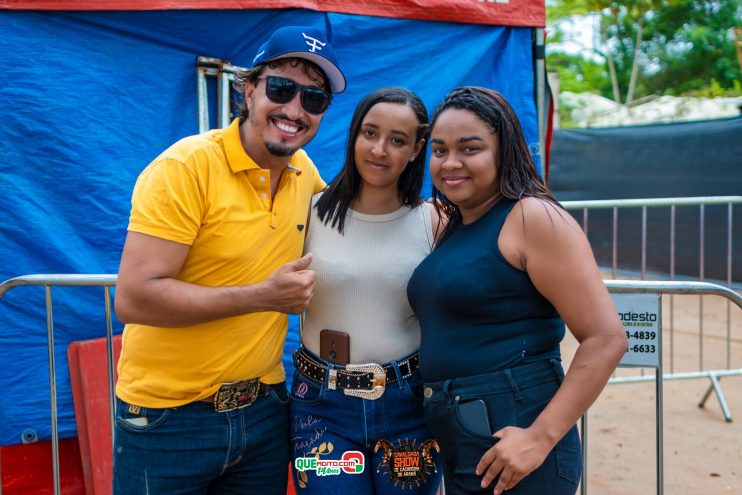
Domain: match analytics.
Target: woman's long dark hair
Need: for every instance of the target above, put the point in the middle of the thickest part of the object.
(345, 187)
(516, 174)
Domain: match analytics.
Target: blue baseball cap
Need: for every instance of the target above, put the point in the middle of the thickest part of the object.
(303, 42)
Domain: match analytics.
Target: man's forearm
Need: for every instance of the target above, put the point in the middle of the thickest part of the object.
(168, 302)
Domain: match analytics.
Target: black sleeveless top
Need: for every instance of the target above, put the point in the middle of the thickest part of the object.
(478, 313)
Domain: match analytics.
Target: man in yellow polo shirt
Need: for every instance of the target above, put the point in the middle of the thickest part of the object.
(211, 265)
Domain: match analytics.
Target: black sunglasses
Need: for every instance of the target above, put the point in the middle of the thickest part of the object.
(282, 90)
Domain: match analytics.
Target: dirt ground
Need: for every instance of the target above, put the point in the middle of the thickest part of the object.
(702, 452)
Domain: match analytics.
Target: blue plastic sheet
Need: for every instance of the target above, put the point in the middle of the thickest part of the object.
(90, 98)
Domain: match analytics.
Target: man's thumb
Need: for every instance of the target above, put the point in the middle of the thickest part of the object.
(301, 263)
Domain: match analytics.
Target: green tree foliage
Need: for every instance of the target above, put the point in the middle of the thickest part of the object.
(693, 46)
(653, 47)
(579, 74)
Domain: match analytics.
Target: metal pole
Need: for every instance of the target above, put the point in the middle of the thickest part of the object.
(729, 284)
(223, 80)
(52, 388)
(660, 409)
(640, 202)
(672, 298)
(66, 280)
(541, 95)
(203, 100)
(583, 433)
(716, 388)
(672, 287)
(614, 253)
(110, 356)
(644, 243)
(701, 256)
(678, 376)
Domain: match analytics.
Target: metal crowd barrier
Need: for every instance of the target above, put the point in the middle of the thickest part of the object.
(665, 287)
(48, 281)
(672, 204)
(614, 286)
(224, 73)
(617, 205)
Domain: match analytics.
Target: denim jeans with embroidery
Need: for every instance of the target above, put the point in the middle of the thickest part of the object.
(513, 397)
(326, 423)
(193, 449)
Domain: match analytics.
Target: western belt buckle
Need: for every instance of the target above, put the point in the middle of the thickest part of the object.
(378, 382)
(235, 395)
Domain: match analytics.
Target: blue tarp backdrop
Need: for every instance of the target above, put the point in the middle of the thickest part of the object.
(90, 98)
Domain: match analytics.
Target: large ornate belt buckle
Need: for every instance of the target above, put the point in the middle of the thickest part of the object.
(235, 395)
(378, 382)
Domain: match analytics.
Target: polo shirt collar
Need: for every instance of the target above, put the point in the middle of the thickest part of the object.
(238, 158)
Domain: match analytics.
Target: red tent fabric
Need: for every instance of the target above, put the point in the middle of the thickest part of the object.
(524, 13)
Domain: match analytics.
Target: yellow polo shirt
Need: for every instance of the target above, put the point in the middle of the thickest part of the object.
(206, 192)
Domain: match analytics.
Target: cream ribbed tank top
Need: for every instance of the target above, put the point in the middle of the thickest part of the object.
(362, 280)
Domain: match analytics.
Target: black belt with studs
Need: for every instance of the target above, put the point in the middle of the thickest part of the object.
(361, 380)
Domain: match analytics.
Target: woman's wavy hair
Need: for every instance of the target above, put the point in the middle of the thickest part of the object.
(345, 187)
(516, 174)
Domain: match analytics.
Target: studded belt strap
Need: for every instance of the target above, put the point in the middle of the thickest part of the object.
(350, 377)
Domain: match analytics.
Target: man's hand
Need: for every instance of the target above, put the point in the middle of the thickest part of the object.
(292, 285)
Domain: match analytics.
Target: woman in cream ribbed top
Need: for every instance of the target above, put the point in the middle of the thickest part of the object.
(367, 232)
(362, 277)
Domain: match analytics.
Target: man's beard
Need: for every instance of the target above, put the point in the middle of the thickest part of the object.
(279, 149)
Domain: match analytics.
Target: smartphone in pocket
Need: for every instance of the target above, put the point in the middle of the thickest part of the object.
(473, 415)
(334, 346)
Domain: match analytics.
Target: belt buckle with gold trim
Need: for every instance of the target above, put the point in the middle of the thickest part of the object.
(235, 395)
(378, 382)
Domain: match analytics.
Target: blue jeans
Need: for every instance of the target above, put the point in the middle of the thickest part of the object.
(513, 397)
(193, 449)
(327, 423)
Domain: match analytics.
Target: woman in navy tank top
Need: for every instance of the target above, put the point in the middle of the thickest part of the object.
(510, 269)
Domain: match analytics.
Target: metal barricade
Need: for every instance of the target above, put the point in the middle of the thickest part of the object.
(664, 287)
(48, 281)
(224, 73)
(672, 204)
(614, 286)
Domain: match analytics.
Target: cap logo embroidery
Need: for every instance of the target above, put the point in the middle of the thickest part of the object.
(313, 43)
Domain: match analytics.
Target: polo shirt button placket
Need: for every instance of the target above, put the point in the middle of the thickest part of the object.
(267, 200)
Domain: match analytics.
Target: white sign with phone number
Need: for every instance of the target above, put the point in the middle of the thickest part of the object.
(641, 317)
